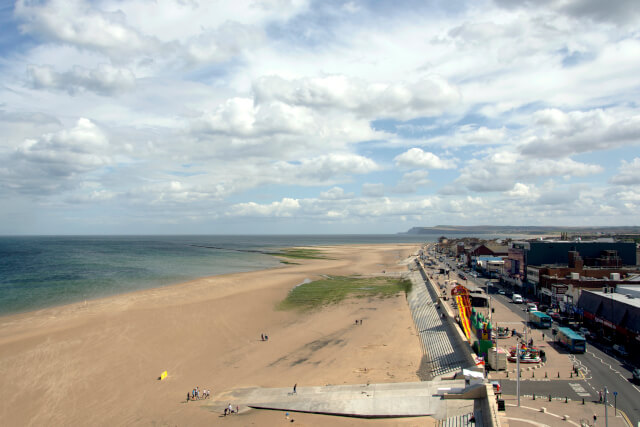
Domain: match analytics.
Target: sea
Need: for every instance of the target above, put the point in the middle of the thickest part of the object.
(44, 271)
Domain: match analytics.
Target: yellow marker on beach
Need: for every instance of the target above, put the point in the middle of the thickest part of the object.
(163, 375)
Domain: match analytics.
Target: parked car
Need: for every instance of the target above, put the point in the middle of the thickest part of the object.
(586, 333)
(620, 350)
(636, 375)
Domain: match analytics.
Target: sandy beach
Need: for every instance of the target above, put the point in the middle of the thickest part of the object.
(98, 362)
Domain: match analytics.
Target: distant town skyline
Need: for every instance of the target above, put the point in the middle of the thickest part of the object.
(312, 117)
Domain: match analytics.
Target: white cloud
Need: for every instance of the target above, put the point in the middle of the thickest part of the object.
(402, 100)
(201, 101)
(618, 12)
(333, 166)
(563, 134)
(373, 190)
(239, 117)
(523, 191)
(287, 207)
(50, 162)
(412, 181)
(78, 23)
(502, 170)
(336, 193)
(223, 43)
(79, 149)
(104, 80)
(416, 157)
(629, 173)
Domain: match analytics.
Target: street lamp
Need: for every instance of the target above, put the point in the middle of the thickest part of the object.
(518, 369)
(606, 417)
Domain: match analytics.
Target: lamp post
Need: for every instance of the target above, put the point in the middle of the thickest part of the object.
(518, 370)
(606, 417)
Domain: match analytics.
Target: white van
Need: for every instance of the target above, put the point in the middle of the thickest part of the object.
(517, 299)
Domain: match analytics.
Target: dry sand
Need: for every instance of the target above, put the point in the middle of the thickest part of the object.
(98, 363)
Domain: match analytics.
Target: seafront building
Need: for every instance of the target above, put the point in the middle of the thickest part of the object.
(593, 282)
(615, 317)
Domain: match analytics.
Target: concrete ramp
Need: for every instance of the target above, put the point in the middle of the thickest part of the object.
(359, 400)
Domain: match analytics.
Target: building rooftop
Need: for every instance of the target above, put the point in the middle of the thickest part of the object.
(634, 302)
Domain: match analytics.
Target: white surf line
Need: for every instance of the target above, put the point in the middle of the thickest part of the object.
(614, 370)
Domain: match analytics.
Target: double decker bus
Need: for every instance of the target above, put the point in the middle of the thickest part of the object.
(572, 340)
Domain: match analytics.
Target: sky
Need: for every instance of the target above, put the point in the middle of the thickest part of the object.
(300, 116)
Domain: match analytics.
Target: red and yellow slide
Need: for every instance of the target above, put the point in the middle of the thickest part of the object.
(464, 318)
(464, 308)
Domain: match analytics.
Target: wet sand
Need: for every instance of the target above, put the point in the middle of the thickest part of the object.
(98, 363)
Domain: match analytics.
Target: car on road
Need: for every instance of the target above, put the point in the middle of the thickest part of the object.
(531, 307)
(555, 316)
(501, 291)
(635, 374)
(517, 299)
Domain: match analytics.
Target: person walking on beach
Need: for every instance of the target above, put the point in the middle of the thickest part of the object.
(230, 409)
(294, 388)
(261, 337)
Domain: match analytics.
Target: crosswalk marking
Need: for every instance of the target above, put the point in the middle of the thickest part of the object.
(580, 391)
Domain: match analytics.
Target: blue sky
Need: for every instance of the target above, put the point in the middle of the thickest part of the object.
(295, 116)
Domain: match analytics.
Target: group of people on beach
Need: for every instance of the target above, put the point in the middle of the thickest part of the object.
(358, 321)
(229, 410)
(197, 394)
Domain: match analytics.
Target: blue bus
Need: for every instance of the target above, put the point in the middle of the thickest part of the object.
(540, 319)
(572, 340)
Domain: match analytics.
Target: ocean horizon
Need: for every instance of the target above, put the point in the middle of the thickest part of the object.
(44, 271)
